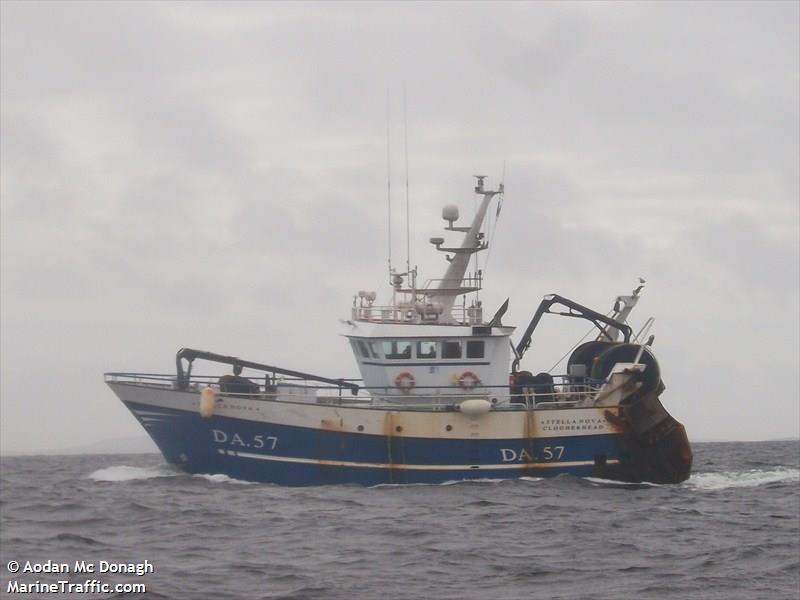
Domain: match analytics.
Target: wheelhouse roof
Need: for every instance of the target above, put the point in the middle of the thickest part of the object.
(365, 329)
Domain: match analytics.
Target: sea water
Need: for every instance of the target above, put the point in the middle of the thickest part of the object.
(731, 531)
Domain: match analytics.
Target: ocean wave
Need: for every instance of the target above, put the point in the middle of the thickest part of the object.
(477, 480)
(600, 482)
(531, 479)
(72, 537)
(449, 482)
(128, 473)
(221, 478)
(740, 479)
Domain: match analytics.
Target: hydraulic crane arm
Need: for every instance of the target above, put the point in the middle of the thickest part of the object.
(600, 321)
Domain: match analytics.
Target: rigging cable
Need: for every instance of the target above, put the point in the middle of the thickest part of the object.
(578, 343)
(408, 209)
(389, 179)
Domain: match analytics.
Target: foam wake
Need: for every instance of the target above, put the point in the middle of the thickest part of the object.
(222, 478)
(127, 473)
(599, 482)
(742, 479)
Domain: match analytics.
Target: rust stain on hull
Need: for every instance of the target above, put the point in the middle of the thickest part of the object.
(531, 432)
(616, 423)
(331, 425)
(390, 424)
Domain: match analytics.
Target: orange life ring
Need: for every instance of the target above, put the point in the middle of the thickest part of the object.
(468, 380)
(405, 382)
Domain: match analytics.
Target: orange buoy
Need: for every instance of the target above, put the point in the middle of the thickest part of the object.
(468, 380)
(405, 382)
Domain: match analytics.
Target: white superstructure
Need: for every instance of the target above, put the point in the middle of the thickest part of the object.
(424, 344)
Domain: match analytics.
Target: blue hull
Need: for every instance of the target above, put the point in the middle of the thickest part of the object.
(296, 456)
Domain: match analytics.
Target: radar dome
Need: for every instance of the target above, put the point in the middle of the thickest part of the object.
(450, 213)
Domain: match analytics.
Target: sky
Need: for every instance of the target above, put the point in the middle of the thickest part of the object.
(214, 175)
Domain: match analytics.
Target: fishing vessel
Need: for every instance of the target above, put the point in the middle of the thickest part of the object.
(442, 394)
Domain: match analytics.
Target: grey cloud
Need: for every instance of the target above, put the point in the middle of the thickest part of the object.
(214, 175)
(749, 253)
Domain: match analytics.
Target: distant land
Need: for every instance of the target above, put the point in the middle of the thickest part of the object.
(144, 445)
(128, 445)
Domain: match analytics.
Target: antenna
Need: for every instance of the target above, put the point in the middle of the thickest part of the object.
(408, 209)
(389, 178)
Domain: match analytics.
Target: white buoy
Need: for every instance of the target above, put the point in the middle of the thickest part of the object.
(208, 400)
(475, 407)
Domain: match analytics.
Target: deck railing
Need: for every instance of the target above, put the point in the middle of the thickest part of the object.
(466, 315)
(564, 392)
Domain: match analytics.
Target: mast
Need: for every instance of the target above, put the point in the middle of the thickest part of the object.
(622, 308)
(450, 285)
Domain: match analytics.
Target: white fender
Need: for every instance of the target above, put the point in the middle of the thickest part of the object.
(208, 400)
(475, 407)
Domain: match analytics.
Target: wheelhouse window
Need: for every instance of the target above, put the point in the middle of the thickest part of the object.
(475, 349)
(451, 349)
(397, 349)
(365, 349)
(426, 349)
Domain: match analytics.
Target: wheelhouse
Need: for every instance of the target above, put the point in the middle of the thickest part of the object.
(427, 360)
